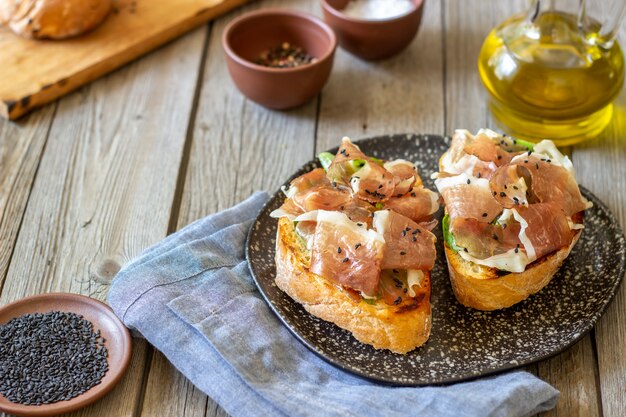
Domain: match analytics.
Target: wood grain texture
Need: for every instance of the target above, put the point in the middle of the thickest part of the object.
(600, 166)
(105, 187)
(237, 147)
(21, 148)
(466, 26)
(36, 72)
(401, 94)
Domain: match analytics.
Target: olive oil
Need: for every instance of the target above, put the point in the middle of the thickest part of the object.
(548, 79)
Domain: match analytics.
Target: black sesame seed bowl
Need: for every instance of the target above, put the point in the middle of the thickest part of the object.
(59, 352)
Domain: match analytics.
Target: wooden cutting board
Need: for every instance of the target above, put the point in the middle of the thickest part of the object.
(33, 73)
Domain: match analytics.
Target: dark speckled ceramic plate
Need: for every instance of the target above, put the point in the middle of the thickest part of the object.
(464, 343)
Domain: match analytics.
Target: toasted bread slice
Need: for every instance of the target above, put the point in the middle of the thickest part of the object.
(485, 288)
(399, 328)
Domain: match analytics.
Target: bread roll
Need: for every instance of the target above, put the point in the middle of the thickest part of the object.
(53, 19)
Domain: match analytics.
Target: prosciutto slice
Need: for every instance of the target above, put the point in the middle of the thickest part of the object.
(484, 240)
(418, 205)
(509, 185)
(407, 244)
(347, 254)
(468, 197)
(550, 183)
(548, 229)
(486, 149)
(404, 175)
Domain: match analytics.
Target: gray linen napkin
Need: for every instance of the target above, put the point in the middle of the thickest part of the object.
(193, 298)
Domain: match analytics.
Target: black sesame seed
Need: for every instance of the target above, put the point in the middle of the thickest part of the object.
(516, 250)
(345, 259)
(395, 271)
(499, 157)
(416, 231)
(478, 175)
(548, 160)
(495, 193)
(358, 245)
(380, 186)
(403, 233)
(515, 187)
(468, 181)
(485, 214)
(465, 249)
(537, 165)
(342, 151)
(397, 301)
(530, 152)
(397, 283)
(505, 186)
(526, 161)
(414, 239)
(338, 250)
(402, 253)
(502, 194)
(413, 194)
(495, 237)
(50, 357)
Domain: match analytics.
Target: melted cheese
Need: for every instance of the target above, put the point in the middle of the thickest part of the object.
(414, 277)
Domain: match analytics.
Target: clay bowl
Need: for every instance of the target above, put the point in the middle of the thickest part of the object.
(248, 36)
(372, 39)
(117, 341)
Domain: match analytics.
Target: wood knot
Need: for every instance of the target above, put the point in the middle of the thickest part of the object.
(106, 271)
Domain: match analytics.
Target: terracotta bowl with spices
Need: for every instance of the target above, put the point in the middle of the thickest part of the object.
(279, 58)
(369, 36)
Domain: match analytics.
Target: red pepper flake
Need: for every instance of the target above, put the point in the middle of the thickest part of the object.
(285, 56)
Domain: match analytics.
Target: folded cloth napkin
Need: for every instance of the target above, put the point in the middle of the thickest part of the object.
(193, 298)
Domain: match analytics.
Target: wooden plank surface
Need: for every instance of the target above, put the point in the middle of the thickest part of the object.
(36, 72)
(21, 147)
(237, 147)
(105, 188)
(601, 167)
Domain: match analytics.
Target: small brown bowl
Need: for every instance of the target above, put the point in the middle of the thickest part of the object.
(248, 36)
(372, 39)
(117, 340)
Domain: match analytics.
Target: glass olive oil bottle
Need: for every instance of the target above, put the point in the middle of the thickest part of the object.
(552, 75)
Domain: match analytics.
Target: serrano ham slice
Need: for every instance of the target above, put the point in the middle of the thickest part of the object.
(345, 253)
(407, 244)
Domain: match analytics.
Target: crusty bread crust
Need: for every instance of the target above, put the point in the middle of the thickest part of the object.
(481, 287)
(399, 328)
(53, 19)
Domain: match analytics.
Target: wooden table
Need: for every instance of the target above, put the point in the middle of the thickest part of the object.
(88, 182)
